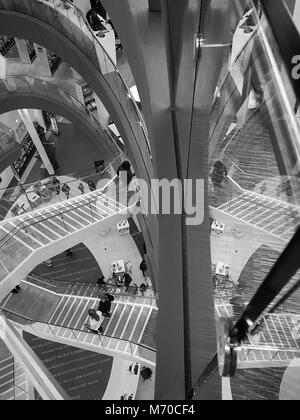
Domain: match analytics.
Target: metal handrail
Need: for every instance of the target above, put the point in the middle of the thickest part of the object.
(104, 131)
(107, 288)
(32, 321)
(79, 174)
(31, 222)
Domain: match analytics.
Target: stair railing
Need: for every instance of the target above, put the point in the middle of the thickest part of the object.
(104, 339)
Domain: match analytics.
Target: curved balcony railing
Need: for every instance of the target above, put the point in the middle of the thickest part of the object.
(10, 85)
(69, 20)
(23, 236)
(29, 197)
(134, 349)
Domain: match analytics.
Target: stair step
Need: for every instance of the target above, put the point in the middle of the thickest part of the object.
(114, 319)
(140, 325)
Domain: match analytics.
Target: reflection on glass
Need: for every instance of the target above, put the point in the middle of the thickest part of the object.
(254, 199)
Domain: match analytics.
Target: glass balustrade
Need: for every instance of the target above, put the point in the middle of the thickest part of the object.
(69, 20)
(25, 234)
(122, 293)
(25, 198)
(254, 194)
(14, 385)
(83, 336)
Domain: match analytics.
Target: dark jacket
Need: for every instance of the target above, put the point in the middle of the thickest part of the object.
(104, 306)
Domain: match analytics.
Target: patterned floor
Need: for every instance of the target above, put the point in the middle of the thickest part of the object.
(83, 375)
(81, 267)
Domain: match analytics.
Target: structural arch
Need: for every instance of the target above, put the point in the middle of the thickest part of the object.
(18, 92)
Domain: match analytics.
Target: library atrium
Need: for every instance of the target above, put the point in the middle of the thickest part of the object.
(149, 187)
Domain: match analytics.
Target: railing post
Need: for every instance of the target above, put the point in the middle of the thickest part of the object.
(73, 332)
(91, 210)
(248, 352)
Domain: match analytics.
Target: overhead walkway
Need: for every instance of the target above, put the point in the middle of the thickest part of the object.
(276, 219)
(277, 345)
(32, 238)
(123, 332)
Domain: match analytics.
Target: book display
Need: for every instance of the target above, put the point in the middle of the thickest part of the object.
(27, 151)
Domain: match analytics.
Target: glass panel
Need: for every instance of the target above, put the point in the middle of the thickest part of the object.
(36, 86)
(254, 198)
(16, 84)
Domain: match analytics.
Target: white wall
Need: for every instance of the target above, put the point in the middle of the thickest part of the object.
(297, 14)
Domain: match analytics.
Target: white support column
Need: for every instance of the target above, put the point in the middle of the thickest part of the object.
(44, 66)
(103, 115)
(36, 140)
(23, 51)
(297, 14)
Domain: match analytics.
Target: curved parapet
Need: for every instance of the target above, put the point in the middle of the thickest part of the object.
(9, 147)
(18, 92)
(34, 237)
(65, 31)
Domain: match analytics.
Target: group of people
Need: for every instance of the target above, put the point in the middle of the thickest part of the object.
(96, 317)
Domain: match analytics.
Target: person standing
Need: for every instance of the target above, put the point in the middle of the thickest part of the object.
(92, 186)
(66, 190)
(127, 281)
(56, 185)
(81, 188)
(105, 304)
(143, 268)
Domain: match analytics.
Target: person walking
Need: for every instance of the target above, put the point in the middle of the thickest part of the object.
(95, 320)
(105, 304)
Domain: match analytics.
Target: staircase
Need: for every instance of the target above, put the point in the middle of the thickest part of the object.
(123, 332)
(274, 217)
(13, 381)
(277, 337)
(45, 232)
